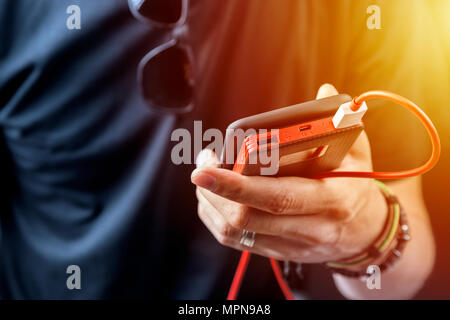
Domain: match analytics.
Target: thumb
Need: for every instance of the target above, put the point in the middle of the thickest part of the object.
(206, 158)
(326, 90)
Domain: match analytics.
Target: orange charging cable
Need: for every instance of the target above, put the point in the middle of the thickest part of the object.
(355, 105)
(432, 132)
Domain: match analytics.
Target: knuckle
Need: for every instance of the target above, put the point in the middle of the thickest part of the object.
(340, 213)
(200, 211)
(240, 218)
(226, 231)
(225, 241)
(331, 235)
(340, 206)
(282, 203)
(346, 210)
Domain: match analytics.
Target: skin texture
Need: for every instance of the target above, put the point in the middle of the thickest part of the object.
(315, 221)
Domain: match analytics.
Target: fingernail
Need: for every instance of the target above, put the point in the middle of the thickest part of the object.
(203, 180)
(206, 157)
(202, 158)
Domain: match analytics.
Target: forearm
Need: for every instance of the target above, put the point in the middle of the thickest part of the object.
(416, 263)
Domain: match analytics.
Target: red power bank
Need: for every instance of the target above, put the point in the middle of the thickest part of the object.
(303, 149)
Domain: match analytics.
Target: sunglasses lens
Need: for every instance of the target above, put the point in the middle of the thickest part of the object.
(162, 11)
(166, 79)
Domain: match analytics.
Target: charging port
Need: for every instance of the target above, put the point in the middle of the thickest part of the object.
(304, 128)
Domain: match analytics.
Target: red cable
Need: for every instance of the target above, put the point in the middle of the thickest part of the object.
(283, 284)
(435, 153)
(239, 275)
(240, 272)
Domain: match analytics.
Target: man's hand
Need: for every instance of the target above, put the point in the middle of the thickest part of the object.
(296, 219)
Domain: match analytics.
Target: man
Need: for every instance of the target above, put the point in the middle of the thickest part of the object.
(90, 182)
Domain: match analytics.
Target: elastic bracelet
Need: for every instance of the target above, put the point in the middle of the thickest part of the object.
(398, 230)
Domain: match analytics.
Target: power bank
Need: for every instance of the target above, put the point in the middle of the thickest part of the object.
(306, 142)
(276, 119)
(302, 150)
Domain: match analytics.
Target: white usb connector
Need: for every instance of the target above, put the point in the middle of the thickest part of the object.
(346, 117)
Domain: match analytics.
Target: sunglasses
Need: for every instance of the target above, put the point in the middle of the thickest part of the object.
(165, 74)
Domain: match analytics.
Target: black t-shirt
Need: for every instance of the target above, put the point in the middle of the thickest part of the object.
(89, 177)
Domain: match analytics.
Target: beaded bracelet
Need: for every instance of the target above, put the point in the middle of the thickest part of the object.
(398, 230)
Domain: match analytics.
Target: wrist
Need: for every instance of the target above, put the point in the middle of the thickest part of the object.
(386, 244)
(376, 217)
(370, 222)
(388, 248)
(376, 228)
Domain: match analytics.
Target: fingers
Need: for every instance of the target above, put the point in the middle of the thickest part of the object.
(216, 223)
(326, 90)
(265, 245)
(240, 216)
(280, 196)
(229, 219)
(226, 219)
